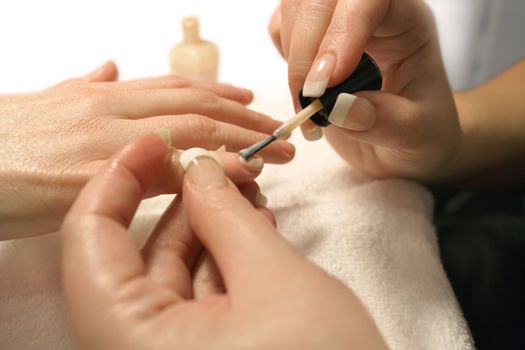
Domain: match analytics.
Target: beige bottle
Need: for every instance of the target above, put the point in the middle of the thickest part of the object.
(194, 57)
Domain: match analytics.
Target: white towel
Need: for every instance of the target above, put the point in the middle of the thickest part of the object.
(377, 237)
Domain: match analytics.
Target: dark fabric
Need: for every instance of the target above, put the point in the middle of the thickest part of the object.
(482, 243)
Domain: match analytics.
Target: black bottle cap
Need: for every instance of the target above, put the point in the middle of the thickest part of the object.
(366, 76)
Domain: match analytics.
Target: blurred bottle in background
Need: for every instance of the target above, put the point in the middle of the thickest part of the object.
(194, 57)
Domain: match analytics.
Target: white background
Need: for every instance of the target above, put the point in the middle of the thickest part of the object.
(46, 41)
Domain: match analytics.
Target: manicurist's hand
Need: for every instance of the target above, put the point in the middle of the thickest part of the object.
(121, 298)
(54, 140)
(411, 128)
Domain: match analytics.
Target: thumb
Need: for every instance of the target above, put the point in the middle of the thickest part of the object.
(377, 118)
(245, 245)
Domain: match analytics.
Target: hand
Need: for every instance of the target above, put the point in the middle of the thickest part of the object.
(409, 129)
(54, 140)
(119, 298)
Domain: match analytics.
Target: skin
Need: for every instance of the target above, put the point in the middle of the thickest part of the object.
(54, 140)
(422, 130)
(415, 111)
(120, 298)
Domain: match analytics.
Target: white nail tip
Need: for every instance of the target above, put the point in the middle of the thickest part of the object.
(315, 88)
(189, 155)
(341, 108)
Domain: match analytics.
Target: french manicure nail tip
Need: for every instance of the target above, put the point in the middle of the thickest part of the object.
(352, 112)
(319, 75)
(189, 155)
(315, 88)
(341, 108)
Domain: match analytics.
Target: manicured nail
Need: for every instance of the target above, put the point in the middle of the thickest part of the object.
(202, 169)
(313, 134)
(352, 112)
(260, 200)
(165, 135)
(317, 79)
(255, 163)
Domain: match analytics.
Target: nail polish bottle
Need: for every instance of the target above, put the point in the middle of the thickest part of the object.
(194, 58)
(366, 76)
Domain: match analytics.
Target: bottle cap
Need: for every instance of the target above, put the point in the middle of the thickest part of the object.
(190, 27)
(366, 76)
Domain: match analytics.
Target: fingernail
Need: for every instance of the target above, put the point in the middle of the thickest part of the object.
(202, 170)
(221, 149)
(165, 135)
(312, 134)
(317, 79)
(260, 200)
(255, 163)
(352, 112)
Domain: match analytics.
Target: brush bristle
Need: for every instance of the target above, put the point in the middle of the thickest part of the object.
(249, 152)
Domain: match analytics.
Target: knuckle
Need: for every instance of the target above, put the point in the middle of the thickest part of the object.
(413, 130)
(202, 125)
(207, 98)
(177, 81)
(320, 7)
(92, 98)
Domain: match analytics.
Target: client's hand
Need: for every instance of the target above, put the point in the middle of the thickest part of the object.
(53, 141)
(120, 298)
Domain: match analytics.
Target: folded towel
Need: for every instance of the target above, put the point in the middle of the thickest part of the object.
(377, 237)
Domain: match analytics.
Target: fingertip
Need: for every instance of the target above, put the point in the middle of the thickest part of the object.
(106, 72)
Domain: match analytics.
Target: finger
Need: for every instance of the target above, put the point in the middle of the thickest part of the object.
(171, 251)
(105, 73)
(274, 29)
(289, 10)
(207, 279)
(139, 104)
(239, 172)
(194, 130)
(399, 128)
(311, 131)
(99, 257)
(377, 118)
(241, 95)
(310, 27)
(352, 26)
(246, 247)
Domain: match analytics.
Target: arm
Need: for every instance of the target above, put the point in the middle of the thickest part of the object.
(492, 118)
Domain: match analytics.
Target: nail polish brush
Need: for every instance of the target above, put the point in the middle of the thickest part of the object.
(366, 76)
